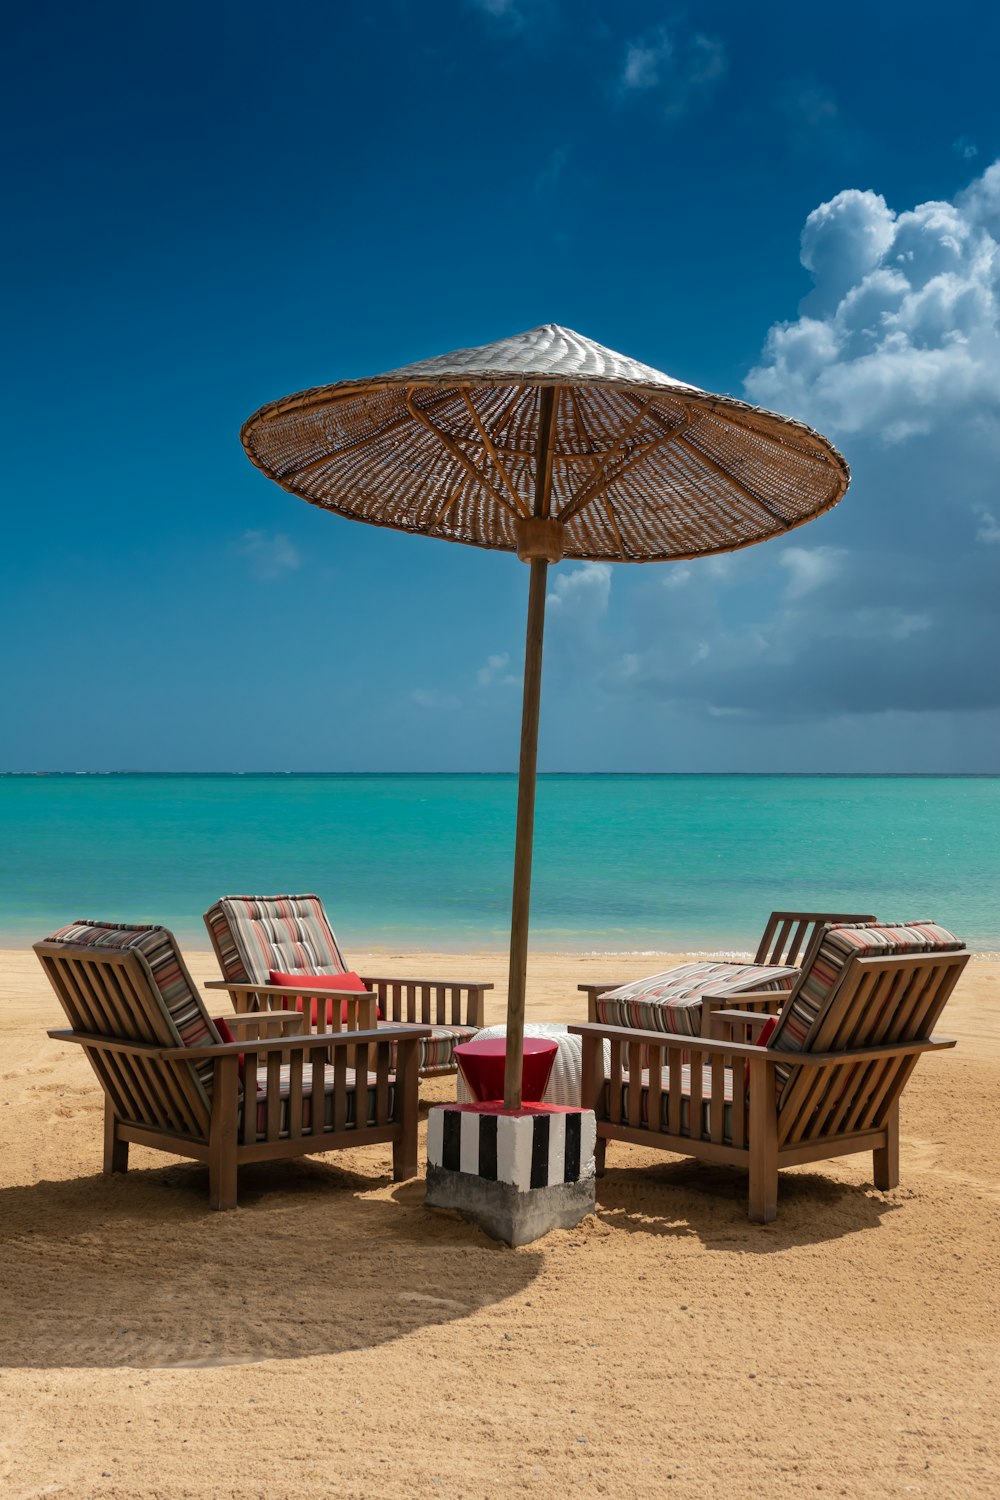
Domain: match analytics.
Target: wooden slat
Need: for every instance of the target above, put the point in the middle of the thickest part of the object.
(615, 1083)
(717, 1107)
(696, 1095)
(779, 943)
(739, 1109)
(295, 1070)
(340, 1092)
(634, 1093)
(383, 1055)
(860, 1090)
(654, 1113)
(272, 1122)
(675, 1067)
(248, 1134)
(317, 1084)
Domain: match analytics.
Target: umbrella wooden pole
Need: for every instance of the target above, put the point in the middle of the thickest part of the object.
(521, 901)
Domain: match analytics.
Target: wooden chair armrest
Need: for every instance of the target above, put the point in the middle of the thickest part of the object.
(754, 1020)
(403, 1035)
(749, 998)
(282, 991)
(107, 1043)
(750, 1050)
(593, 993)
(290, 1020)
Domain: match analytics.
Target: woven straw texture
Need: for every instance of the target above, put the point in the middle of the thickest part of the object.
(643, 467)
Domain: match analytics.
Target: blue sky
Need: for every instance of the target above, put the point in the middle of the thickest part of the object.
(213, 205)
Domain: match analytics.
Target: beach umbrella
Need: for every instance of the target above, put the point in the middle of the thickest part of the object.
(551, 446)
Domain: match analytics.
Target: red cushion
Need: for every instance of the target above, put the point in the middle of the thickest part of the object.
(764, 1035)
(346, 981)
(762, 1038)
(225, 1035)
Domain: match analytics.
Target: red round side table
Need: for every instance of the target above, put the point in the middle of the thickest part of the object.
(482, 1065)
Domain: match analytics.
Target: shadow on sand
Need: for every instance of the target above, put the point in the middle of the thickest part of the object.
(135, 1270)
(684, 1198)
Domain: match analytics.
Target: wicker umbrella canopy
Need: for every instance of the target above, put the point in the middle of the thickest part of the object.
(551, 446)
(642, 467)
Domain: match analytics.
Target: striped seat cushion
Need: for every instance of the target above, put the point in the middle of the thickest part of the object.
(255, 934)
(806, 1008)
(663, 1123)
(671, 1001)
(187, 1020)
(437, 1051)
(307, 1105)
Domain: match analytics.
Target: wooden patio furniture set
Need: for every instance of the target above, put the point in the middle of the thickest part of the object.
(809, 1068)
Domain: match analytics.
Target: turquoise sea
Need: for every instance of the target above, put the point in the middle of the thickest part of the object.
(622, 863)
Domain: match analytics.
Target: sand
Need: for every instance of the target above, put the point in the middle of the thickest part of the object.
(333, 1337)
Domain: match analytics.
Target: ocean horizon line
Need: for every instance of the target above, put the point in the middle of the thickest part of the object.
(512, 775)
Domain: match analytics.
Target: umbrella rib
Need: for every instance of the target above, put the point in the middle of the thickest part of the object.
(603, 481)
(446, 507)
(361, 442)
(612, 522)
(582, 496)
(724, 474)
(733, 482)
(457, 453)
(490, 448)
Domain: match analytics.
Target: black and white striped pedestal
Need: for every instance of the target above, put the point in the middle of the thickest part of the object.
(518, 1173)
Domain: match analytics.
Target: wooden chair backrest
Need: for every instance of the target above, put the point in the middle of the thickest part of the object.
(878, 1001)
(112, 995)
(790, 935)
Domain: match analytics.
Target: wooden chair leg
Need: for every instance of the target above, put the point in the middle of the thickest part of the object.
(600, 1152)
(885, 1159)
(404, 1148)
(763, 1143)
(115, 1149)
(222, 1180)
(222, 1133)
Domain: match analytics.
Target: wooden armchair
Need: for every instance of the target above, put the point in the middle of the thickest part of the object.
(255, 936)
(705, 987)
(173, 1084)
(826, 1083)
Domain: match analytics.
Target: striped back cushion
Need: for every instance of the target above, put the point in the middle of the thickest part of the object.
(186, 1021)
(803, 1015)
(254, 934)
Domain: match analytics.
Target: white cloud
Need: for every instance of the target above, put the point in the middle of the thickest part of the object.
(676, 576)
(269, 556)
(809, 102)
(809, 568)
(511, 15)
(432, 698)
(989, 531)
(495, 671)
(965, 147)
(678, 69)
(903, 328)
(583, 593)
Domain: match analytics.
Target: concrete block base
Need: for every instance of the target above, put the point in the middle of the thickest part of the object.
(516, 1173)
(507, 1213)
